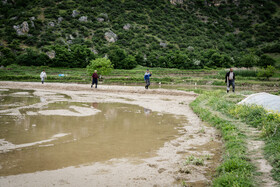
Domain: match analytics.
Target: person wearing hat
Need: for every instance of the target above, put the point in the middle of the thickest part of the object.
(147, 76)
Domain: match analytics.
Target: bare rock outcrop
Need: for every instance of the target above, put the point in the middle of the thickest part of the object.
(51, 54)
(110, 36)
(83, 19)
(60, 19)
(51, 24)
(100, 19)
(75, 13)
(163, 44)
(176, 2)
(127, 26)
(22, 29)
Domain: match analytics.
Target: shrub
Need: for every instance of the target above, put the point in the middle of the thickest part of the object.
(265, 61)
(102, 65)
(268, 72)
(249, 60)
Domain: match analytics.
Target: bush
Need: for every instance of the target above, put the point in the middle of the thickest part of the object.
(249, 60)
(268, 72)
(265, 61)
(32, 58)
(102, 65)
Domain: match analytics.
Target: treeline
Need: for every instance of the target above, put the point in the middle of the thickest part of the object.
(79, 56)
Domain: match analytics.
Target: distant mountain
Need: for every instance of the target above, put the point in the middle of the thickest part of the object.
(175, 33)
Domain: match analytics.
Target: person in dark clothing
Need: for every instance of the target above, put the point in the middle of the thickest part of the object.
(94, 79)
(147, 78)
(230, 78)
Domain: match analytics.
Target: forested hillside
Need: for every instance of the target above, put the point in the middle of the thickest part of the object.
(157, 33)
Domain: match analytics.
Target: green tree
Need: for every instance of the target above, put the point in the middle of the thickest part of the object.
(249, 60)
(32, 58)
(63, 57)
(265, 61)
(268, 72)
(102, 65)
(117, 55)
(81, 56)
(129, 62)
(7, 57)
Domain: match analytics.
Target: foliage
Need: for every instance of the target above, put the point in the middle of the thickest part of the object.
(265, 61)
(75, 56)
(267, 122)
(235, 170)
(102, 65)
(193, 35)
(249, 60)
(121, 60)
(32, 58)
(268, 72)
(6, 56)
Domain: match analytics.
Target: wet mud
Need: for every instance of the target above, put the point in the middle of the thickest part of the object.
(73, 135)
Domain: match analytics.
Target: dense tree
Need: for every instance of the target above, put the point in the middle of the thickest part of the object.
(265, 61)
(249, 60)
(32, 58)
(168, 35)
(102, 65)
(7, 57)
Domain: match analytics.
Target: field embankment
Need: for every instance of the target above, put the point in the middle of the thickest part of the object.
(162, 77)
(251, 138)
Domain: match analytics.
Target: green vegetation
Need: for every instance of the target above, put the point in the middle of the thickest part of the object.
(194, 160)
(268, 72)
(166, 77)
(236, 168)
(102, 65)
(153, 33)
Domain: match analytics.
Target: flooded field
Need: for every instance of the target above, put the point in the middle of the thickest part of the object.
(72, 135)
(64, 134)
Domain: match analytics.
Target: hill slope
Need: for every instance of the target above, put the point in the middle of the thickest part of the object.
(175, 33)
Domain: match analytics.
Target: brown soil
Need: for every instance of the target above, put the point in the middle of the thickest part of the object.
(167, 168)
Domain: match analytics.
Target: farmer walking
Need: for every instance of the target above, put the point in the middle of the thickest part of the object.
(43, 75)
(230, 77)
(147, 78)
(94, 78)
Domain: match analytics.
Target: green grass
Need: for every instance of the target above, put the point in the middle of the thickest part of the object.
(164, 76)
(235, 169)
(267, 123)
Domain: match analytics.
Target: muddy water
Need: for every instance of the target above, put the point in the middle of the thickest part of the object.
(47, 138)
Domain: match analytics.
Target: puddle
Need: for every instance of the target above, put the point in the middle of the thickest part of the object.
(63, 133)
(16, 98)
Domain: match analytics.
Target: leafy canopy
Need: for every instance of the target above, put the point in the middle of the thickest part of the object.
(102, 65)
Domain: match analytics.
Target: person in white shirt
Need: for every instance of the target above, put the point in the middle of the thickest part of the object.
(230, 78)
(43, 75)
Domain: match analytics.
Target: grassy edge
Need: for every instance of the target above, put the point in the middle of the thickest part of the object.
(236, 168)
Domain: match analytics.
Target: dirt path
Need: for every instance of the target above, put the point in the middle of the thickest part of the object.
(255, 149)
(167, 168)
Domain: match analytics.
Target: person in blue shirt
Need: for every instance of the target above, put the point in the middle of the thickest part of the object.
(147, 76)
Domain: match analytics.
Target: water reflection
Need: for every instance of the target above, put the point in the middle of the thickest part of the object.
(94, 105)
(119, 130)
(147, 111)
